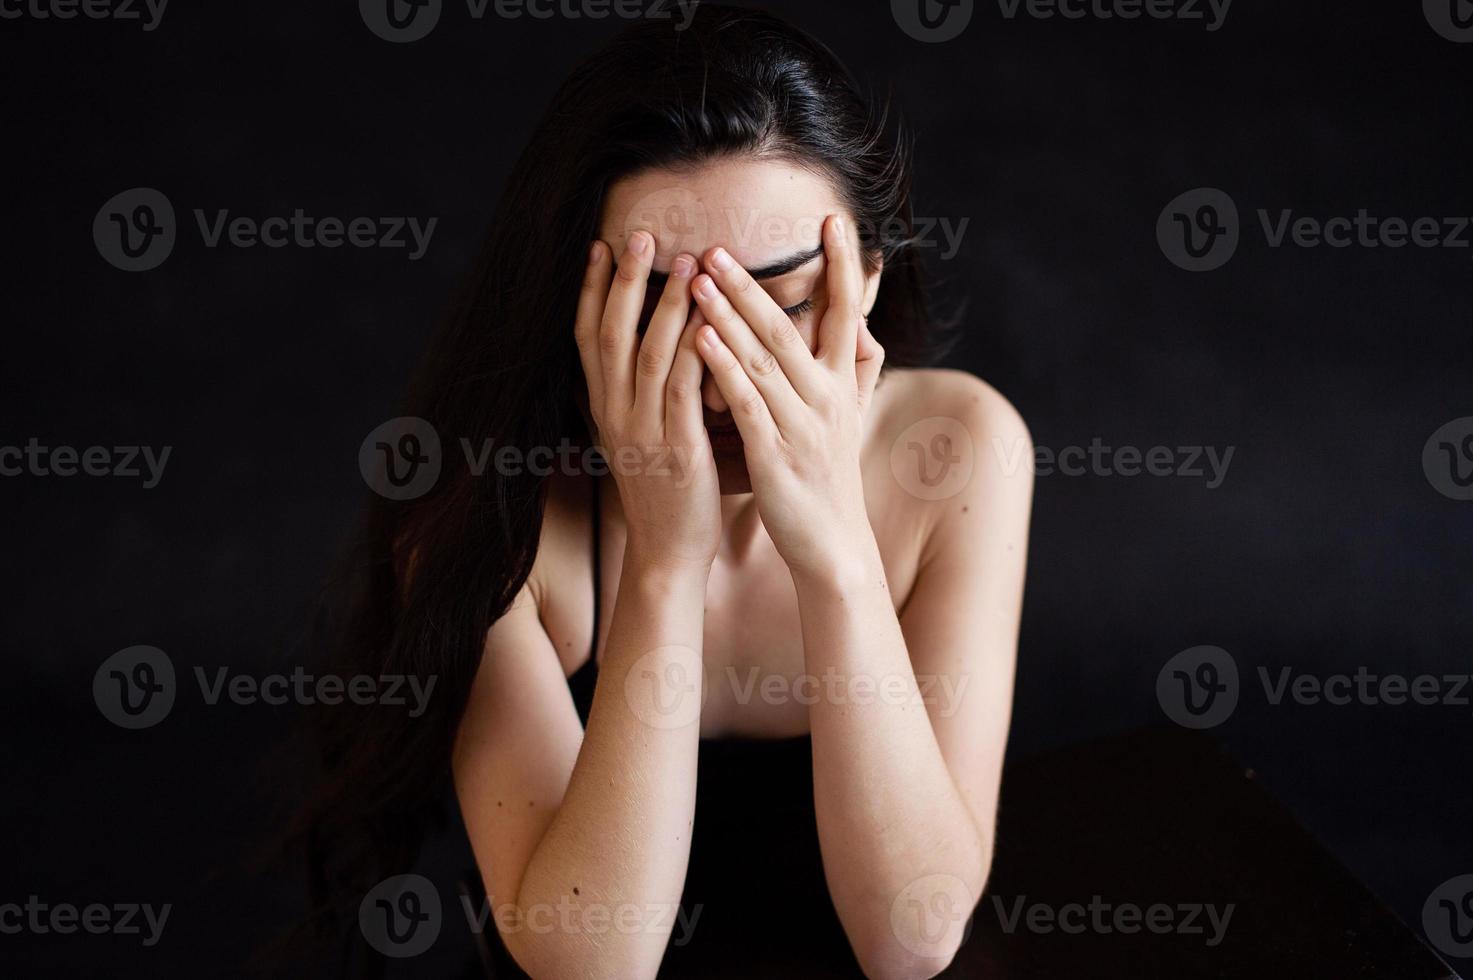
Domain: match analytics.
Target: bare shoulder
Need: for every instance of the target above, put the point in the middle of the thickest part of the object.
(919, 404)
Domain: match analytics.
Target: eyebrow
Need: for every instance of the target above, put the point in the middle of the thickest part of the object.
(771, 270)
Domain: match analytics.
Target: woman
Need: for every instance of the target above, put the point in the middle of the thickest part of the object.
(762, 663)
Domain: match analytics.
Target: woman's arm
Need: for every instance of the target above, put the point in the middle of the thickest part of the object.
(905, 789)
(904, 795)
(589, 843)
(583, 847)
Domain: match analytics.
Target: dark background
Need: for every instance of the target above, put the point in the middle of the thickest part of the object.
(1325, 549)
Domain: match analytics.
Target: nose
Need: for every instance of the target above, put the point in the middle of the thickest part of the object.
(711, 395)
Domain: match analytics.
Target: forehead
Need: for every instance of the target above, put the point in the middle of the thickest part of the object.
(757, 209)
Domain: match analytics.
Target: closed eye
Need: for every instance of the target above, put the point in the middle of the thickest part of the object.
(798, 309)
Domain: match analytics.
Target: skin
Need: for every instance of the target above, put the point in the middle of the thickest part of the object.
(790, 550)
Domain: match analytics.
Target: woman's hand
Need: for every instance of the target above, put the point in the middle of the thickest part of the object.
(645, 399)
(798, 412)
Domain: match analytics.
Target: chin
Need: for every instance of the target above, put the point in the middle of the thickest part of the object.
(731, 473)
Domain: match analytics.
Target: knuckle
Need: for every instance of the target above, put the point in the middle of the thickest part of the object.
(784, 334)
(629, 273)
(763, 363)
(750, 404)
(651, 361)
(680, 391)
(609, 341)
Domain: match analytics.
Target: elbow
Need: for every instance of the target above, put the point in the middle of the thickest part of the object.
(891, 960)
(918, 934)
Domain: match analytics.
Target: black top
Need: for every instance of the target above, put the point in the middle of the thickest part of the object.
(755, 897)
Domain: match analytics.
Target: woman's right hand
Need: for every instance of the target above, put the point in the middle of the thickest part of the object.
(645, 398)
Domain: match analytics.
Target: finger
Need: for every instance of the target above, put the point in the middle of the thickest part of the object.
(839, 329)
(869, 358)
(773, 327)
(661, 337)
(683, 417)
(748, 407)
(591, 297)
(755, 360)
(619, 330)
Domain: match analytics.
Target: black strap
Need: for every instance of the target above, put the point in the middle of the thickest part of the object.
(597, 570)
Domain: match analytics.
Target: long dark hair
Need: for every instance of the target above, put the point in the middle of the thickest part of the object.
(428, 576)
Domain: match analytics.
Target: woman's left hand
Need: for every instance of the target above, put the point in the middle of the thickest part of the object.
(798, 411)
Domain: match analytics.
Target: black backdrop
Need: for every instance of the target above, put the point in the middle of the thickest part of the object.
(1326, 547)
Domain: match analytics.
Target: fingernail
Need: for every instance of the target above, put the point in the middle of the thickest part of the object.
(639, 243)
(839, 227)
(705, 288)
(594, 251)
(707, 335)
(683, 266)
(721, 260)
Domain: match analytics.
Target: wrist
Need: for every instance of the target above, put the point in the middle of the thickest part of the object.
(659, 566)
(851, 565)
